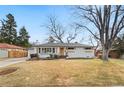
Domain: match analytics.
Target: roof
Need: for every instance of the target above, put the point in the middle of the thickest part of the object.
(9, 46)
(62, 45)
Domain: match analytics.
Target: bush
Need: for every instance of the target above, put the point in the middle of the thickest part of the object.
(33, 55)
(55, 56)
(100, 56)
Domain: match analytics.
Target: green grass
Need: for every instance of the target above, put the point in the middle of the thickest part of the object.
(74, 72)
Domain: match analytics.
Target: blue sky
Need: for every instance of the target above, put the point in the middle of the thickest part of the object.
(32, 17)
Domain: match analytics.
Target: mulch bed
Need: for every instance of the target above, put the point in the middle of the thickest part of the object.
(8, 71)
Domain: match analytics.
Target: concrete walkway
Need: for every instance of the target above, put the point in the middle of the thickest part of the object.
(9, 61)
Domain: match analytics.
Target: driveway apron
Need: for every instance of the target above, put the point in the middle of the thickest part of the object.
(10, 61)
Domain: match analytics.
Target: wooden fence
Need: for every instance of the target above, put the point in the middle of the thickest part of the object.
(17, 53)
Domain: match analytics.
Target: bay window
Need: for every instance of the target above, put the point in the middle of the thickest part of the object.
(48, 50)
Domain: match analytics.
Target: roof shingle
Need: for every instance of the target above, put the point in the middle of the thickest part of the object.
(9, 46)
(62, 45)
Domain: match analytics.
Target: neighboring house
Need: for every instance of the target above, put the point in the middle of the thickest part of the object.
(122, 56)
(67, 50)
(12, 51)
(112, 54)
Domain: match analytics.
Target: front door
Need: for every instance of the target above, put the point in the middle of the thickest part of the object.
(62, 51)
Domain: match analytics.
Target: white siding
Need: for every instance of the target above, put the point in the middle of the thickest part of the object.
(32, 50)
(80, 53)
(72, 53)
(58, 51)
(3, 53)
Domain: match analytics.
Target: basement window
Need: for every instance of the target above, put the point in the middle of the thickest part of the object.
(87, 48)
(70, 48)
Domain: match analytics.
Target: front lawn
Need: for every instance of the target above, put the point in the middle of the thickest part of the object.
(74, 72)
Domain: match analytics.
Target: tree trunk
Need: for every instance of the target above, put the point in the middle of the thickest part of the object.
(105, 55)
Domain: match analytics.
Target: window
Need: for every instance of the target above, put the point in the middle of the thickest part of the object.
(70, 48)
(87, 48)
(39, 50)
(53, 50)
(48, 50)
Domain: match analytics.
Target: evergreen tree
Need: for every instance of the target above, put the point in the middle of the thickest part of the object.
(8, 30)
(2, 31)
(23, 38)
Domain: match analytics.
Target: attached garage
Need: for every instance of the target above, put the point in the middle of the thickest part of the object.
(80, 53)
(12, 51)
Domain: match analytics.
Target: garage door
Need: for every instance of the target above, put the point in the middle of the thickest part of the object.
(3, 53)
(80, 53)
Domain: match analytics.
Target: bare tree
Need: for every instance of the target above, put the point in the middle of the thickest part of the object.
(51, 39)
(58, 33)
(94, 42)
(107, 19)
(56, 30)
(72, 36)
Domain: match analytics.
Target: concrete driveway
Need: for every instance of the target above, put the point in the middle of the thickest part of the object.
(9, 61)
